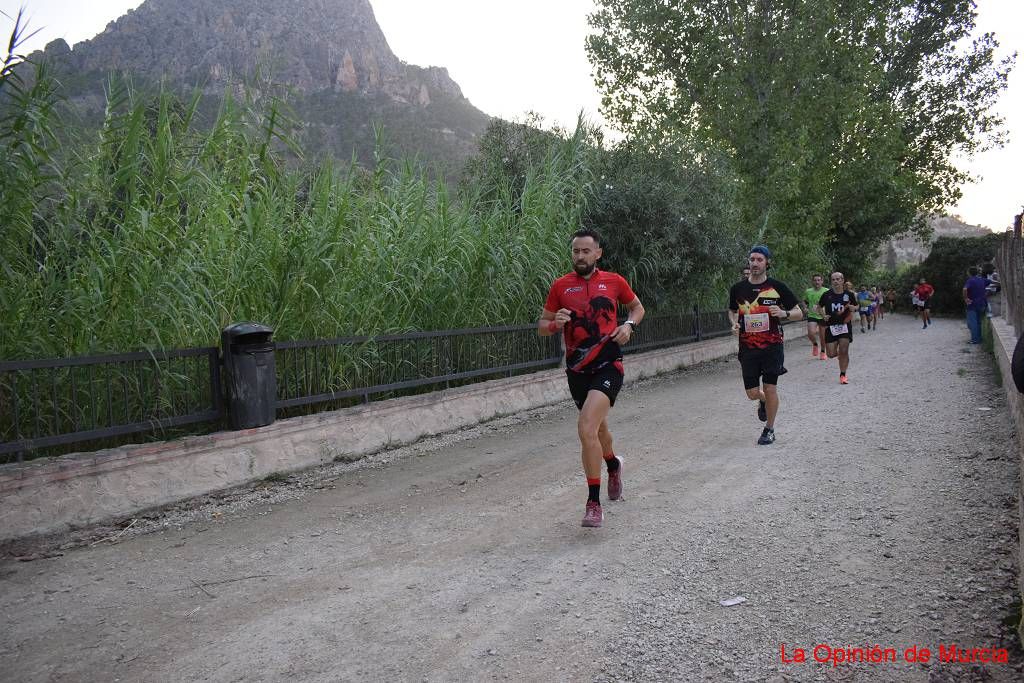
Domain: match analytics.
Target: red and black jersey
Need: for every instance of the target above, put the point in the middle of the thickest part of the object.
(924, 292)
(758, 329)
(594, 303)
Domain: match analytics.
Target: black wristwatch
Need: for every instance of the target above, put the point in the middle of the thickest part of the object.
(631, 324)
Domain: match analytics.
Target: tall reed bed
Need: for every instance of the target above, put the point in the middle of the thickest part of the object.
(157, 232)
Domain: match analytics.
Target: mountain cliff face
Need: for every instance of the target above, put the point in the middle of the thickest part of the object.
(331, 54)
(913, 250)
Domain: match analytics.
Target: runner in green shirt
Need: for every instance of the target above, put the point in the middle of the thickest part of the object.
(815, 323)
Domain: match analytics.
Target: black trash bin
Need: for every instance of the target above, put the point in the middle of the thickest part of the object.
(250, 374)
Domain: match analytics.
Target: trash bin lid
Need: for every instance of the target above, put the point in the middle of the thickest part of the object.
(246, 328)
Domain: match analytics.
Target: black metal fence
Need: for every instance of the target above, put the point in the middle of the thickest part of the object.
(363, 367)
(1010, 265)
(53, 403)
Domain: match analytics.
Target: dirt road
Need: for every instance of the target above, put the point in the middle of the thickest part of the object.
(885, 514)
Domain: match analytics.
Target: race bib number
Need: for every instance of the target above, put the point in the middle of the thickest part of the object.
(839, 329)
(756, 322)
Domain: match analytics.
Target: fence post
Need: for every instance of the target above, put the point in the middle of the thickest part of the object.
(697, 332)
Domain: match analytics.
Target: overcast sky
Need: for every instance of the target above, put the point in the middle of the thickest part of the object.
(515, 56)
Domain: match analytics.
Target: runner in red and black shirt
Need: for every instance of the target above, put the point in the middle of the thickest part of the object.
(584, 306)
(924, 292)
(756, 307)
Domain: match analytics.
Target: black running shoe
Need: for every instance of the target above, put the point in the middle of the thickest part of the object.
(762, 412)
(767, 437)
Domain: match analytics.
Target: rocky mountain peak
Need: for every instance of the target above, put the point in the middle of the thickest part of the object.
(310, 45)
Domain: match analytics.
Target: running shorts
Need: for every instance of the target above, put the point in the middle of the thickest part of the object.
(607, 380)
(833, 333)
(762, 365)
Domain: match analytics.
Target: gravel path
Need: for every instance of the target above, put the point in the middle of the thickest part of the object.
(885, 514)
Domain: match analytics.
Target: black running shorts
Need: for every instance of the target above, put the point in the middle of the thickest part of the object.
(607, 380)
(831, 338)
(762, 365)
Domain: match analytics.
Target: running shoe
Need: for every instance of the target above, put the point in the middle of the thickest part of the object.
(615, 482)
(814, 351)
(593, 516)
(762, 412)
(823, 356)
(767, 437)
(843, 380)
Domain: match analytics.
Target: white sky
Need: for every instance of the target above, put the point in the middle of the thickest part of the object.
(511, 57)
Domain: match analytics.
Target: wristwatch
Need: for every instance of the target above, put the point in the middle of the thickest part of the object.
(787, 314)
(631, 324)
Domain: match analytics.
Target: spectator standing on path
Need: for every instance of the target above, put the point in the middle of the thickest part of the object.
(756, 309)
(837, 306)
(975, 296)
(583, 305)
(924, 292)
(815, 325)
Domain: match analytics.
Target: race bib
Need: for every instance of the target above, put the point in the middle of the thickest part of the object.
(757, 322)
(839, 329)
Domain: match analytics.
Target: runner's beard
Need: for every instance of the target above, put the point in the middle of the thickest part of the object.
(583, 269)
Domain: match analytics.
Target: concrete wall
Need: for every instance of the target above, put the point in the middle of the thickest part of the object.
(53, 494)
(1004, 339)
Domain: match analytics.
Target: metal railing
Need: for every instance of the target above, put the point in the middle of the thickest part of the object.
(1010, 265)
(52, 402)
(361, 367)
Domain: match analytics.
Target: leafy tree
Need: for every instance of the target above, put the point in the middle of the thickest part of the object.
(840, 117)
(510, 152)
(667, 214)
(946, 266)
(670, 226)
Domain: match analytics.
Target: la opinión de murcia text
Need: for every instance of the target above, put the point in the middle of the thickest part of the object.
(823, 653)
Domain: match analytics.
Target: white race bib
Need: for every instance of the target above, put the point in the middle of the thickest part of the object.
(757, 322)
(839, 329)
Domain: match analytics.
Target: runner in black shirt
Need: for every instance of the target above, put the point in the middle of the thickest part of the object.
(838, 305)
(756, 308)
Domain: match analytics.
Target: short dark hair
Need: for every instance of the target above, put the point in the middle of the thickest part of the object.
(972, 271)
(587, 232)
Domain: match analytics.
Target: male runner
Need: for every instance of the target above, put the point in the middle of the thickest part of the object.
(756, 309)
(924, 292)
(815, 324)
(864, 302)
(583, 305)
(837, 306)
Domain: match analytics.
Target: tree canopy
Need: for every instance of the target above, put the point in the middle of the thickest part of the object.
(841, 118)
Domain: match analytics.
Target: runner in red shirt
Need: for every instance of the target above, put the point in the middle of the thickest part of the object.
(584, 306)
(924, 292)
(757, 307)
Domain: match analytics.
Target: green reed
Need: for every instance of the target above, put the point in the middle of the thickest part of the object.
(158, 231)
